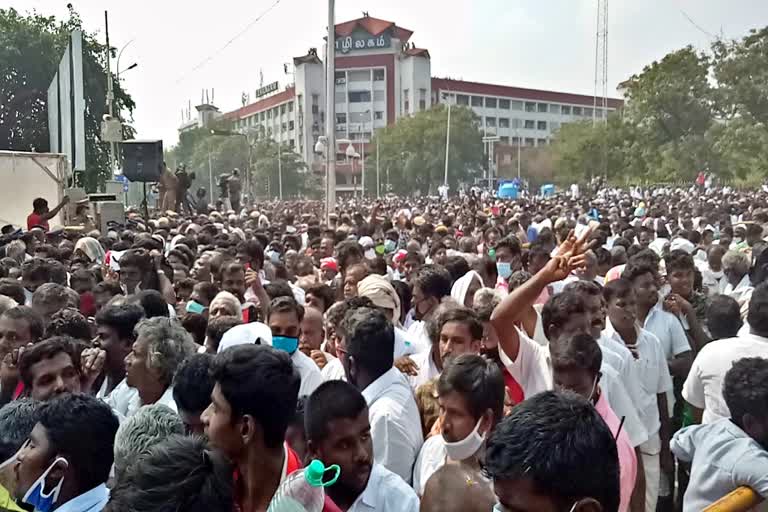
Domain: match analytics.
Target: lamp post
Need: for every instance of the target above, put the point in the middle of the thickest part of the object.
(447, 139)
(330, 114)
(351, 153)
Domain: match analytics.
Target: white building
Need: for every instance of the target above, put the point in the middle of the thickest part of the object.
(380, 77)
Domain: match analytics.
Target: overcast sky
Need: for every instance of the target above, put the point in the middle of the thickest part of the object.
(545, 44)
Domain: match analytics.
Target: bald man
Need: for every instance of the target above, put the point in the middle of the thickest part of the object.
(457, 488)
(312, 336)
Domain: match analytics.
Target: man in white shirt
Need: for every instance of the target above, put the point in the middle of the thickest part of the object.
(365, 350)
(656, 382)
(736, 269)
(458, 331)
(471, 396)
(730, 452)
(285, 316)
(703, 388)
(160, 347)
(339, 432)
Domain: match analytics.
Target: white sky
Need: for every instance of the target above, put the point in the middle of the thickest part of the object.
(546, 44)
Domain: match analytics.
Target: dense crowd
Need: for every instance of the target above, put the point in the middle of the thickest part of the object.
(601, 351)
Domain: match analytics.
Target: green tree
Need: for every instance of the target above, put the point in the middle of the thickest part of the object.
(741, 71)
(268, 175)
(31, 47)
(412, 151)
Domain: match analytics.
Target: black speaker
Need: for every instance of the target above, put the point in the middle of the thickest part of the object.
(143, 160)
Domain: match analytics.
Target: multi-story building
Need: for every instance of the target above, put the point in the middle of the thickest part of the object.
(380, 76)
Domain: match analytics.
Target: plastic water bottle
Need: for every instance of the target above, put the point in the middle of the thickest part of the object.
(302, 491)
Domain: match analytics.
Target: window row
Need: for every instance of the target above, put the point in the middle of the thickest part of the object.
(526, 106)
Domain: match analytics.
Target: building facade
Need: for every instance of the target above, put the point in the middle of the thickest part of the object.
(380, 76)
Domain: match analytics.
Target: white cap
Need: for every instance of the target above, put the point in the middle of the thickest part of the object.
(246, 334)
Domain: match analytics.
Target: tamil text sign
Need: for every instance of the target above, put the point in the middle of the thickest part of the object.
(361, 40)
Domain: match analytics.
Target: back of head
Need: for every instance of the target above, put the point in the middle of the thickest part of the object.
(68, 421)
(262, 382)
(370, 340)
(332, 400)
(433, 281)
(560, 443)
(69, 322)
(193, 384)
(559, 309)
(122, 319)
(139, 433)
(180, 473)
(152, 302)
(457, 488)
(723, 317)
(17, 419)
(745, 391)
(757, 316)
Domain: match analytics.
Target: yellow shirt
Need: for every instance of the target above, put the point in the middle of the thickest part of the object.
(6, 502)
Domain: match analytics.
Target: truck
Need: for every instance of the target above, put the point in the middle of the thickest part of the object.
(25, 176)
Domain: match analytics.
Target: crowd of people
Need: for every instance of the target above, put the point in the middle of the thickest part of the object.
(575, 353)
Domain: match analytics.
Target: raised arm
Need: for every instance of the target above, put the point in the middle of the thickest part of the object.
(52, 213)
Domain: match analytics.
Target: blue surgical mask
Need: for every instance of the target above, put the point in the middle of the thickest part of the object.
(273, 256)
(390, 246)
(36, 496)
(285, 343)
(504, 269)
(195, 307)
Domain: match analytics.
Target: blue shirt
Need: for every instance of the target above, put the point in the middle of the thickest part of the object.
(92, 501)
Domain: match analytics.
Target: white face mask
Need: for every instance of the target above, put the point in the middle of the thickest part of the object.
(594, 388)
(467, 447)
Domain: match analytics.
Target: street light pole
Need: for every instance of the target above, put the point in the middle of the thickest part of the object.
(330, 115)
(280, 171)
(378, 177)
(447, 141)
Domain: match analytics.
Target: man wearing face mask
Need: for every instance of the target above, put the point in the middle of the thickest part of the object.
(431, 284)
(576, 364)
(471, 396)
(56, 469)
(508, 254)
(285, 317)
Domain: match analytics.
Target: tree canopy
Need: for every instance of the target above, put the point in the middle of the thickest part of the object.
(686, 113)
(31, 47)
(412, 151)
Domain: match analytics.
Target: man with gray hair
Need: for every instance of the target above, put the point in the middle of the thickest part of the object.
(160, 347)
(736, 270)
(16, 422)
(139, 433)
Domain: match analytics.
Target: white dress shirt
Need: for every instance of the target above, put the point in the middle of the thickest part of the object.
(310, 374)
(403, 345)
(427, 369)
(417, 335)
(723, 458)
(655, 379)
(333, 370)
(120, 398)
(432, 457)
(742, 292)
(166, 399)
(533, 367)
(621, 359)
(620, 402)
(704, 386)
(385, 492)
(668, 329)
(395, 423)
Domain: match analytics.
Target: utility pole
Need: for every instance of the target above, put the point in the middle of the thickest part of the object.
(378, 177)
(447, 141)
(330, 114)
(110, 94)
(280, 171)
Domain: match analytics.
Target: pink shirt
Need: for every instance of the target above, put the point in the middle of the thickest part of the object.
(627, 457)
